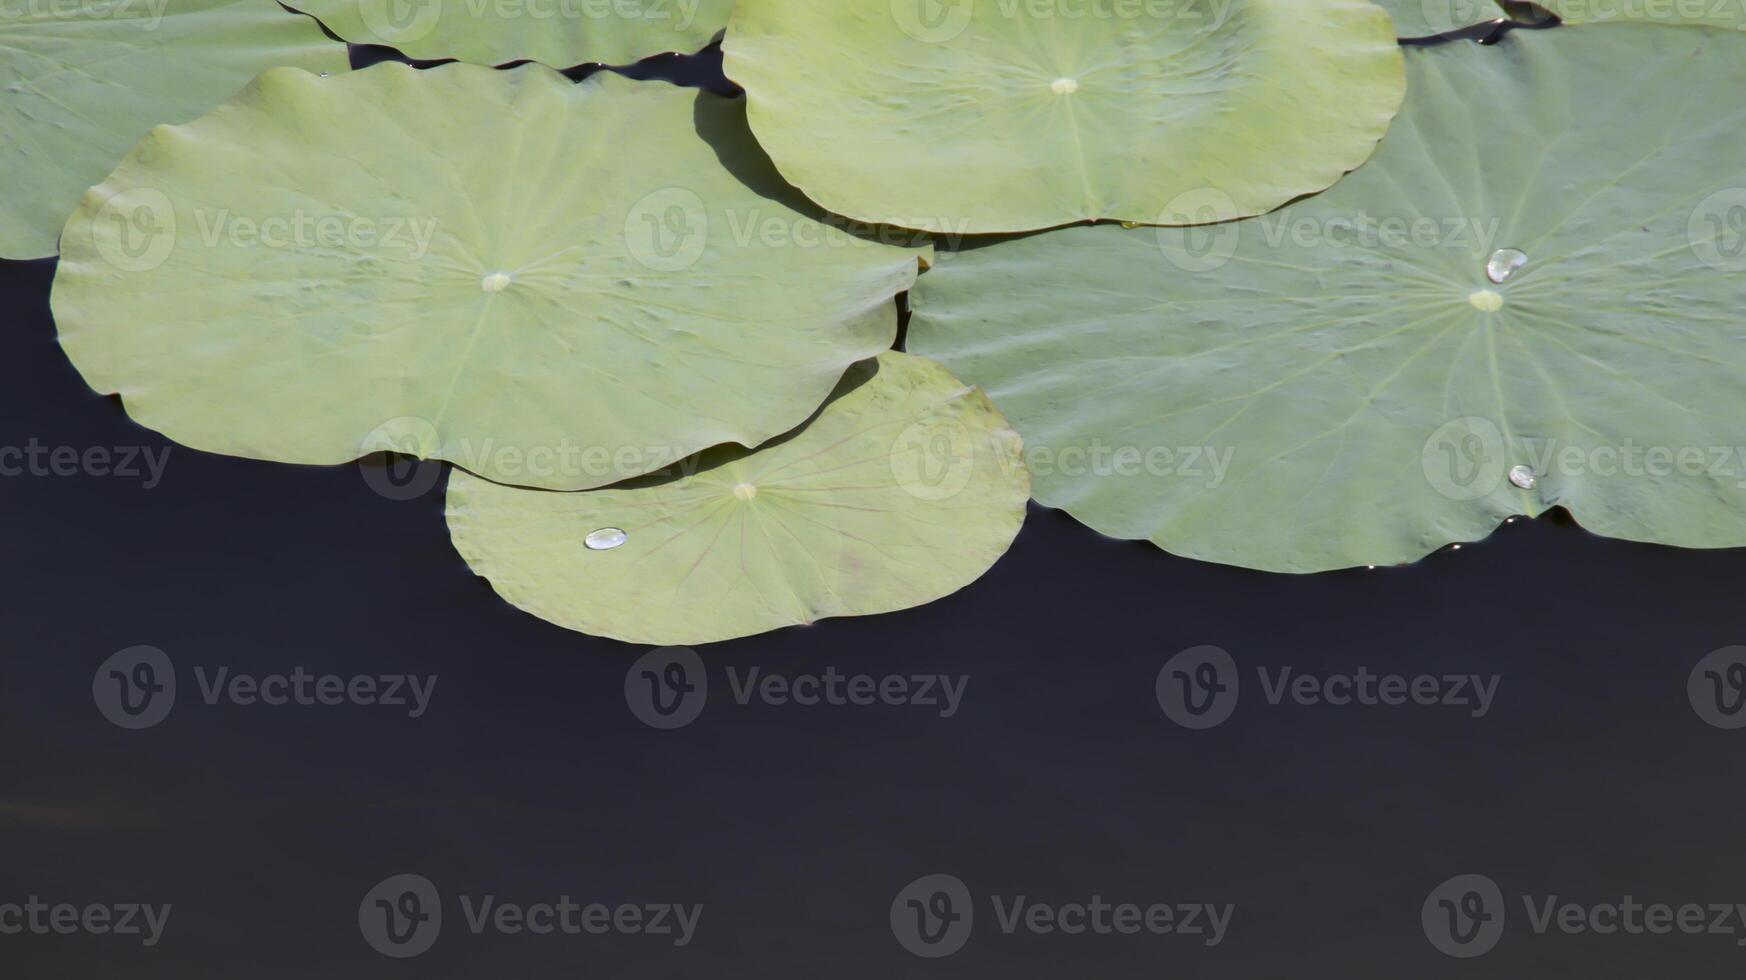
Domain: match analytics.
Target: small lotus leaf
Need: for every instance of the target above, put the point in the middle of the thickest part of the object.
(1010, 115)
(1531, 298)
(83, 81)
(560, 33)
(551, 284)
(906, 487)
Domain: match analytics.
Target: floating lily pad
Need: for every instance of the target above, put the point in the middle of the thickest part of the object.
(560, 33)
(550, 284)
(1425, 18)
(1008, 115)
(1707, 13)
(83, 81)
(1530, 298)
(906, 487)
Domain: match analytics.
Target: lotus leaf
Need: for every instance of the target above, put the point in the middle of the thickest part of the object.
(1531, 298)
(559, 33)
(550, 284)
(84, 80)
(906, 487)
(961, 117)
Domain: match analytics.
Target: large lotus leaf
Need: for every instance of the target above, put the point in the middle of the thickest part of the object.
(550, 284)
(960, 116)
(1424, 18)
(559, 33)
(1344, 383)
(1710, 13)
(906, 487)
(83, 80)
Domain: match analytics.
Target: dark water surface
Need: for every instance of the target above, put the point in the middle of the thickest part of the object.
(528, 777)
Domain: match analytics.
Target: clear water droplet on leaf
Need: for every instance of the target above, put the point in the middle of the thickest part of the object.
(605, 539)
(1505, 262)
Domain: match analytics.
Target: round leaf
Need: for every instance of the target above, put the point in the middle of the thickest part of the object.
(550, 284)
(84, 81)
(1530, 298)
(559, 33)
(905, 488)
(1008, 115)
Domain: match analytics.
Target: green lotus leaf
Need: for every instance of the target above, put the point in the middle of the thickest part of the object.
(904, 488)
(83, 80)
(1424, 18)
(559, 33)
(1706, 13)
(550, 284)
(960, 116)
(1531, 298)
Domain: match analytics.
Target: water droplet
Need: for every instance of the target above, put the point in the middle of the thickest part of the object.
(745, 491)
(1486, 301)
(325, 74)
(1523, 477)
(605, 539)
(1130, 225)
(1505, 262)
(1064, 86)
(496, 282)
